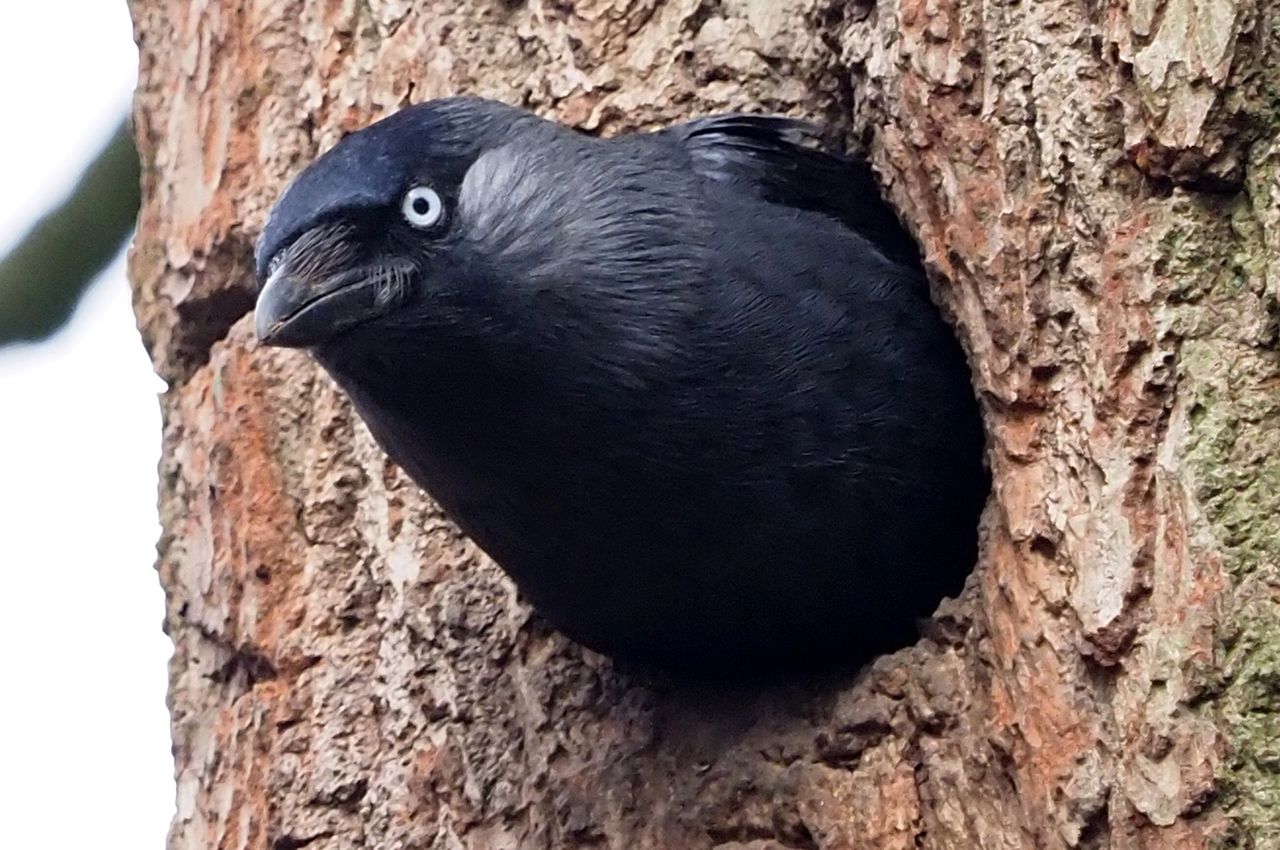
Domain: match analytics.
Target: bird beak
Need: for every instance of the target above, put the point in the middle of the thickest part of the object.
(295, 312)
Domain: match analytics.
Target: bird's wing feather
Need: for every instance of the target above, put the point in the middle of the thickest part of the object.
(784, 161)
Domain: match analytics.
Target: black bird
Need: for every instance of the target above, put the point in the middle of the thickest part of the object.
(687, 387)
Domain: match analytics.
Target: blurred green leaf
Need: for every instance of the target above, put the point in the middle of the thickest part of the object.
(42, 279)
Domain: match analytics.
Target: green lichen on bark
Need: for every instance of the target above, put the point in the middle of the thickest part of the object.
(1230, 384)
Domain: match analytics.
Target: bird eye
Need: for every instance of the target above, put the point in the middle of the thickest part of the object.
(422, 207)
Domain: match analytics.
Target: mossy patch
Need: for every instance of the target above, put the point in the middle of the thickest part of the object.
(1230, 378)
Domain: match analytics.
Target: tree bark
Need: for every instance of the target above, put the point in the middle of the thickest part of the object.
(1095, 187)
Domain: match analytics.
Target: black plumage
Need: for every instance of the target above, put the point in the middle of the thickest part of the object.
(686, 387)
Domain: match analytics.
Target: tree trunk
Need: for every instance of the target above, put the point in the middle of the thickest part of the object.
(1095, 187)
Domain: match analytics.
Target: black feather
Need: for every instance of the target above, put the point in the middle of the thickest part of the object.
(787, 161)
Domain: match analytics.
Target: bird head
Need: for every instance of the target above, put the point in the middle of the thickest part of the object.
(360, 231)
(464, 225)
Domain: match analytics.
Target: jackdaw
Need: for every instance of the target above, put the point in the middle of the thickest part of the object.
(686, 387)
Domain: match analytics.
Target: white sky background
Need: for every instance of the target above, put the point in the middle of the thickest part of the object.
(84, 737)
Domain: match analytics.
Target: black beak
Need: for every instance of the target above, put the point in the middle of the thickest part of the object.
(296, 312)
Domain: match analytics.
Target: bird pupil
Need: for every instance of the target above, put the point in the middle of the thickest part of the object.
(421, 206)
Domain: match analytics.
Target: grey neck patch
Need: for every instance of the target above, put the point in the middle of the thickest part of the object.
(604, 234)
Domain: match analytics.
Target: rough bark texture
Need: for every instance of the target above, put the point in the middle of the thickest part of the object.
(1096, 186)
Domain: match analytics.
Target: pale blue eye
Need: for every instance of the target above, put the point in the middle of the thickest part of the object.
(422, 207)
